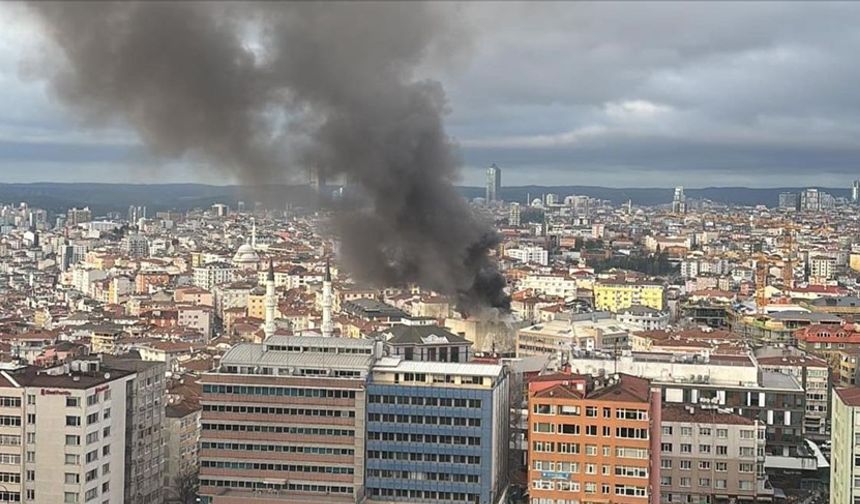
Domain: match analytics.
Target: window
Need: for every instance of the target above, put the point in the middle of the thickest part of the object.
(543, 409)
(722, 433)
(72, 479)
(631, 433)
(31, 418)
(591, 449)
(665, 481)
(72, 402)
(685, 482)
(591, 411)
(746, 467)
(31, 437)
(590, 430)
(70, 497)
(105, 487)
(686, 448)
(31, 475)
(92, 437)
(590, 469)
(93, 418)
(91, 475)
(745, 484)
(72, 440)
(106, 431)
(106, 450)
(665, 463)
(704, 431)
(747, 434)
(107, 413)
(704, 482)
(666, 447)
(607, 412)
(703, 448)
(92, 456)
(72, 459)
(543, 427)
(722, 467)
(31, 456)
(705, 465)
(686, 465)
(91, 494)
(747, 451)
(722, 450)
(105, 469)
(667, 430)
(720, 484)
(686, 431)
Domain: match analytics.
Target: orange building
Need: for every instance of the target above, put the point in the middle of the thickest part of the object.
(593, 440)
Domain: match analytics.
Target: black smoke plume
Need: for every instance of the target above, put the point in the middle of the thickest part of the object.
(330, 87)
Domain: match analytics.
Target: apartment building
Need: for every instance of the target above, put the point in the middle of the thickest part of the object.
(62, 434)
(734, 382)
(437, 432)
(813, 373)
(145, 437)
(585, 331)
(593, 439)
(180, 451)
(284, 420)
(711, 455)
(845, 449)
(615, 296)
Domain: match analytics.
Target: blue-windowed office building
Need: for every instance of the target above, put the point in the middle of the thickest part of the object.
(437, 432)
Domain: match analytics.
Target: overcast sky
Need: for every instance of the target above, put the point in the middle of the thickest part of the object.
(628, 94)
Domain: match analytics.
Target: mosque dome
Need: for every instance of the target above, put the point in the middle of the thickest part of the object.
(246, 255)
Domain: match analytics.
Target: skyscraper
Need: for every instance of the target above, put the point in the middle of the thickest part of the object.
(494, 183)
(855, 192)
(679, 201)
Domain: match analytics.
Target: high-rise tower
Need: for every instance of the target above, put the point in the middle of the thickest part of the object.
(269, 327)
(494, 183)
(326, 302)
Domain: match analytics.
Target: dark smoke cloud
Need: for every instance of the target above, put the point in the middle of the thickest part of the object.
(341, 74)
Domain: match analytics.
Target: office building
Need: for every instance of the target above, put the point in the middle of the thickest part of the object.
(437, 432)
(145, 436)
(821, 268)
(514, 215)
(494, 183)
(285, 420)
(593, 439)
(679, 201)
(63, 434)
(855, 192)
(710, 455)
(616, 296)
(789, 201)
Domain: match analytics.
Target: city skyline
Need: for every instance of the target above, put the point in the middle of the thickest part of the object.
(715, 105)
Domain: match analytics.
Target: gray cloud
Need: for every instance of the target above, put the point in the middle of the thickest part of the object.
(758, 90)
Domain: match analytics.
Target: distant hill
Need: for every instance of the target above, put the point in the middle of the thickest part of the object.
(653, 195)
(103, 198)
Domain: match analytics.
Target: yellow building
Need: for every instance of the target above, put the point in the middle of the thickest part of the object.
(854, 262)
(257, 303)
(615, 296)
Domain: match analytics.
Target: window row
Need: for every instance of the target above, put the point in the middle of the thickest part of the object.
(264, 410)
(425, 495)
(278, 429)
(423, 419)
(403, 437)
(442, 458)
(314, 450)
(278, 391)
(445, 402)
(268, 466)
(422, 476)
(289, 487)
